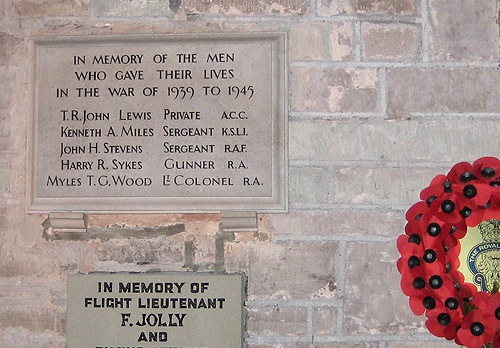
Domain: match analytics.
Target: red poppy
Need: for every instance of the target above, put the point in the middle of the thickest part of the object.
(434, 231)
(450, 208)
(476, 330)
(436, 188)
(493, 309)
(461, 173)
(424, 300)
(486, 169)
(476, 194)
(480, 300)
(443, 322)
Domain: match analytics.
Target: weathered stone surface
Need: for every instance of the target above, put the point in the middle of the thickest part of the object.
(334, 90)
(453, 90)
(422, 344)
(43, 8)
(374, 302)
(321, 41)
(343, 222)
(275, 7)
(389, 42)
(36, 319)
(285, 269)
(4, 131)
(125, 8)
(381, 186)
(8, 77)
(463, 30)
(391, 7)
(11, 171)
(346, 345)
(408, 141)
(142, 251)
(309, 185)
(369, 7)
(316, 344)
(324, 321)
(8, 44)
(23, 338)
(277, 320)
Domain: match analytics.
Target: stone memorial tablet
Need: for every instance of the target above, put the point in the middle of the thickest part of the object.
(158, 123)
(164, 310)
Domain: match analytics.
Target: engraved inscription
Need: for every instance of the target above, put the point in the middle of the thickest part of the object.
(139, 119)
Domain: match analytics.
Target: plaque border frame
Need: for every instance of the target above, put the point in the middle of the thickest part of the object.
(276, 203)
(243, 278)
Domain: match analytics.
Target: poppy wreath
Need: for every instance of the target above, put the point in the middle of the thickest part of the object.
(430, 248)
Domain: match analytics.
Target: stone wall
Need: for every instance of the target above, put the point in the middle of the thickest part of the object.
(383, 95)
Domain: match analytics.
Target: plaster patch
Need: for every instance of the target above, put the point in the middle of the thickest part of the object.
(340, 51)
(336, 93)
(364, 78)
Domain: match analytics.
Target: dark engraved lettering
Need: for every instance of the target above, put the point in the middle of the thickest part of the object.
(131, 131)
(67, 132)
(107, 59)
(188, 132)
(180, 115)
(134, 115)
(170, 163)
(188, 148)
(220, 57)
(109, 148)
(62, 181)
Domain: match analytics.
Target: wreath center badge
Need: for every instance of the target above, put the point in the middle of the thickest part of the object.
(450, 254)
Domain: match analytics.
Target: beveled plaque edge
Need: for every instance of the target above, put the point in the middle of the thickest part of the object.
(277, 203)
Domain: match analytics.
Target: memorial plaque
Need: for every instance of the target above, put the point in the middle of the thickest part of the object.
(158, 123)
(164, 310)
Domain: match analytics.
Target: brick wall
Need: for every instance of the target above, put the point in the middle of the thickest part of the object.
(384, 95)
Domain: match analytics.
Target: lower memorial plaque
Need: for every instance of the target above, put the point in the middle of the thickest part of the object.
(161, 310)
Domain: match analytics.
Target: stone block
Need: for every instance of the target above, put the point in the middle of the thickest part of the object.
(126, 8)
(374, 302)
(239, 8)
(32, 318)
(437, 343)
(8, 77)
(285, 270)
(321, 42)
(22, 250)
(442, 90)
(339, 223)
(408, 141)
(463, 30)
(23, 338)
(369, 7)
(142, 251)
(346, 345)
(381, 186)
(319, 89)
(324, 321)
(389, 42)
(50, 8)
(11, 185)
(309, 185)
(4, 131)
(333, 344)
(277, 321)
(8, 44)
